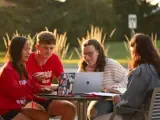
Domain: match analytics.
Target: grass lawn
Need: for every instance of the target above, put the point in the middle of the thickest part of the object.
(116, 51)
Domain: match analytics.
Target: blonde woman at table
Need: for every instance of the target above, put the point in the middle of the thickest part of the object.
(16, 85)
(115, 75)
(145, 76)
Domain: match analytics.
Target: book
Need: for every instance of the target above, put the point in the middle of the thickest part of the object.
(102, 94)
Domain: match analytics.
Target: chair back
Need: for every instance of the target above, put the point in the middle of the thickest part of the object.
(154, 110)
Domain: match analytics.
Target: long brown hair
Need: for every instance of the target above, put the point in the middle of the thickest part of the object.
(14, 55)
(100, 64)
(144, 51)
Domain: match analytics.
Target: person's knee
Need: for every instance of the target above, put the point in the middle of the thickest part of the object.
(92, 113)
(43, 116)
(62, 108)
(35, 106)
(70, 108)
(21, 116)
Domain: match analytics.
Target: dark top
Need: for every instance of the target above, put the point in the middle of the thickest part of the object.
(141, 83)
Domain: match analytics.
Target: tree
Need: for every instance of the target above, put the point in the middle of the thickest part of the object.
(73, 17)
(141, 8)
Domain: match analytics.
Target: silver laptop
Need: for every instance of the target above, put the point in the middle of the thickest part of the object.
(87, 82)
(76, 83)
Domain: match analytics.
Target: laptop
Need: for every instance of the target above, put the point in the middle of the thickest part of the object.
(81, 82)
(66, 84)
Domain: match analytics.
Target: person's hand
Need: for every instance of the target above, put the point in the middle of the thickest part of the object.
(115, 90)
(53, 87)
(116, 99)
(103, 89)
(46, 90)
(39, 76)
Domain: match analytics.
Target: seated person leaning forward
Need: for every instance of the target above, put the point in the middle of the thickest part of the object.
(44, 64)
(142, 80)
(115, 75)
(16, 85)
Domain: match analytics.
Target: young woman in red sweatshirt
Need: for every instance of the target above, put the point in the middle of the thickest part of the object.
(16, 86)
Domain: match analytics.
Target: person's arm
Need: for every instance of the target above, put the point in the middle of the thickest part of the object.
(121, 78)
(37, 88)
(11, 86)
(115, 76)
(59, 68)
(135, 94)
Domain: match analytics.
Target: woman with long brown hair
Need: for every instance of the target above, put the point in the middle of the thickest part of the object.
(114, 74)
(16, 85)
(144, 77)
(143, 51)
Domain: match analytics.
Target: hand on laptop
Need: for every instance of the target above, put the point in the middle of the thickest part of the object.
(53, 87)
(46, 90)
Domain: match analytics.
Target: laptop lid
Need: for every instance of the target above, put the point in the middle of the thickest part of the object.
(66, 84)
(87, 82)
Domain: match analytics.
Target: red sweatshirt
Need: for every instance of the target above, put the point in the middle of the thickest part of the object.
(13, 91)
(52, 68)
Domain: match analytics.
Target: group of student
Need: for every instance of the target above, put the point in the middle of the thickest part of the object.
(24, 74)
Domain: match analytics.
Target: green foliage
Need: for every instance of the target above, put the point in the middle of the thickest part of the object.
(97, 34)
(73, 17)
(144, 12)
(61, 48)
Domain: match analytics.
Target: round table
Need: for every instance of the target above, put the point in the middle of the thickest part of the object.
(82, 102)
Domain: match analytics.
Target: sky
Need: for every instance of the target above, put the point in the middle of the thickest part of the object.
(154, 2)
(61, 0)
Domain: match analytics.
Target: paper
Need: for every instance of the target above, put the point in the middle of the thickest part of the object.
(121, 90)
(105, 94)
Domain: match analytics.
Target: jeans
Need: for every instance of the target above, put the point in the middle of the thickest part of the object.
(100, 107)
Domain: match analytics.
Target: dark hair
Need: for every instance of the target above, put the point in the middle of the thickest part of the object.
(144, 51)
(14, 54)
(46, 37)
(101, 62)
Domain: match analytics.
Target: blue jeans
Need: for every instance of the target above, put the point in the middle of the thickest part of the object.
(101, 107)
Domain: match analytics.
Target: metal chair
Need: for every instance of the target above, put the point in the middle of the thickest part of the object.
(154, 110)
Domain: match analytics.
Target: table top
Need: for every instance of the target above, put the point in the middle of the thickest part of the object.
(75, 97)
(53, 95)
